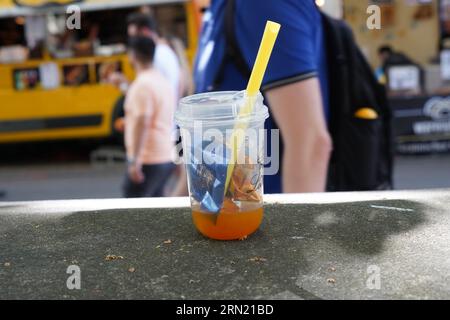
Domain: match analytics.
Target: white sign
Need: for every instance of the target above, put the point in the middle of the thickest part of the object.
(404, 78)
(49, 74)
(445, 65)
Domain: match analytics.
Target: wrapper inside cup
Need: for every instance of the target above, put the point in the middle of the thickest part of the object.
(208, 173)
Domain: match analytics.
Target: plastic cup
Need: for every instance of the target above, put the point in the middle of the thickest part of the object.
(207, 123)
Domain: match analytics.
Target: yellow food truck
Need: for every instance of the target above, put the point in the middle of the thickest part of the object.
(53, 79)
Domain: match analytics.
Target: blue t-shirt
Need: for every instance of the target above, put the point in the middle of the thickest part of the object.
(299, 52)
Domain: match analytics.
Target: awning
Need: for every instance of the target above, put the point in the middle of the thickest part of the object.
(13, 8)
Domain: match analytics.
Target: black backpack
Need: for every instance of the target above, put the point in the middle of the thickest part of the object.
(363, 149)
(362, 157)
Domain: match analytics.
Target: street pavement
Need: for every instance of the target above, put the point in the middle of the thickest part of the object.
(83, 180)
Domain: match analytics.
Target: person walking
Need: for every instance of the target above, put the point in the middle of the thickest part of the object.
(149, 111)
(165, 60)
(169, 64)
(295, 84)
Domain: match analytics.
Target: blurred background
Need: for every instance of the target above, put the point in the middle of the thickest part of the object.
(59, 115)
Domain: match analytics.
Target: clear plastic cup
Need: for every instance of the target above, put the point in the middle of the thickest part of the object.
(207, 122)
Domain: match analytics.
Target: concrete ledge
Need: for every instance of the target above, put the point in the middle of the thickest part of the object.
(392, 245)
(61, 206)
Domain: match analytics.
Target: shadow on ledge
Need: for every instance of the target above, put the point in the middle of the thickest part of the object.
(359, 227)
(159, 255)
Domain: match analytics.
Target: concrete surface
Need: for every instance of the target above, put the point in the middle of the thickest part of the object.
(392, 245)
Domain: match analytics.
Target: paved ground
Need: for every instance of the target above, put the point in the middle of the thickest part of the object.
(422, 172)
(390, 245)
(52, 182)
(52, 171)
(79, 180)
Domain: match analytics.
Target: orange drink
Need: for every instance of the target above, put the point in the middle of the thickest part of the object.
(228, 224)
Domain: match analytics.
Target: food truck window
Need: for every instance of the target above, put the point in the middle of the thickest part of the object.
(12, 31)
(76, 75)
(12, 40)
(100, 33)
(105, 69)
(108, 26)
(104, 32)
(26, 79)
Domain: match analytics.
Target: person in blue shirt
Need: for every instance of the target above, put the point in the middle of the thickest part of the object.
(295, 84)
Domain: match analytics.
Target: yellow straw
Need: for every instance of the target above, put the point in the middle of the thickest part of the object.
(262, 59)
(254, 84)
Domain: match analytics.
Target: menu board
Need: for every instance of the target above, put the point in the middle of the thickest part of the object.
(26, 79)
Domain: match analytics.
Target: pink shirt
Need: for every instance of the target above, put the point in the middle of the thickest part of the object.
(150, 97)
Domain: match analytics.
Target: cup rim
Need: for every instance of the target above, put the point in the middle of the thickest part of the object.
(230, 99)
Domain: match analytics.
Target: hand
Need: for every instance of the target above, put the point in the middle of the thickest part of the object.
(135, 173)
(117, 79)
(119, 125)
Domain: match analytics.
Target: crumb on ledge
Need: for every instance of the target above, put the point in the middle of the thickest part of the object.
(331, 281)
(258, 259)
(112, 257)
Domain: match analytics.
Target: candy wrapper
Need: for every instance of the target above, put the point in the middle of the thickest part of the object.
(208, 175)
(246, 182)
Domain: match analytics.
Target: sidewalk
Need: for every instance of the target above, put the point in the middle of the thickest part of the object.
(78, 181)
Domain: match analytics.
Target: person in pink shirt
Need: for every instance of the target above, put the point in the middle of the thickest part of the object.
(149, 112)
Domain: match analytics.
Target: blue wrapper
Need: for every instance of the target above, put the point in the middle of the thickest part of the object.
(208, 175)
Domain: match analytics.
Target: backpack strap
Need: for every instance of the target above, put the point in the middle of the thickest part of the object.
(338, 79)
(233, 53)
